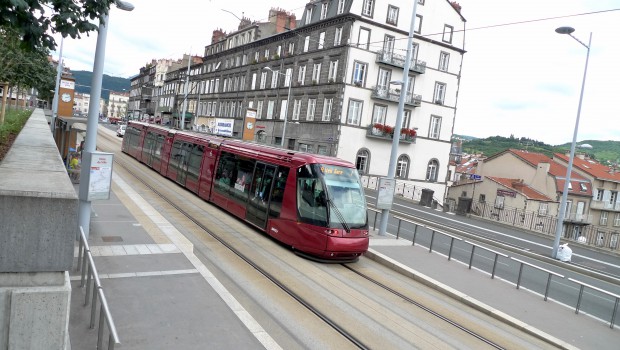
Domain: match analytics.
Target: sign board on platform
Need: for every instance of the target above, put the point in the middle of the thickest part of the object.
(99, 176)
(385, 195)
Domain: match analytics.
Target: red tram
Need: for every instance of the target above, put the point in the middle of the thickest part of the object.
(313, 203)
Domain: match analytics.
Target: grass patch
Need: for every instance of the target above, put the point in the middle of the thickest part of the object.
(14, 121)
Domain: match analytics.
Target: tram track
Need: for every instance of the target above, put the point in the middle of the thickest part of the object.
(345, 331)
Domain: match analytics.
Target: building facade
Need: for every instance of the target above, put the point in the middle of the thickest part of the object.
(117, 106)
(328, 84)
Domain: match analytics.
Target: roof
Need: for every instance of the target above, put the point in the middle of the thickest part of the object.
(580, 186)
(518, 186)
(593, 168)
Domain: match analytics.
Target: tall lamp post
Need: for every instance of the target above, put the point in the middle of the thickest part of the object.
(385, 213)
(560, 223)
(90, 142)
(288, 102)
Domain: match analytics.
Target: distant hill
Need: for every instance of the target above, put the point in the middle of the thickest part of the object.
(603, 151)
(84, 78)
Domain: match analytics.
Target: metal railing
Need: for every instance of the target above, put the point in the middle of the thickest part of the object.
(496, 254)
(616, 296)
(86, 266)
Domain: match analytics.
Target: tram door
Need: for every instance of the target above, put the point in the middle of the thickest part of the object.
(260, 194)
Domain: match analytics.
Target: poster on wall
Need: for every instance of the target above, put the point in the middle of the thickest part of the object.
(224, 127)
(250, 124)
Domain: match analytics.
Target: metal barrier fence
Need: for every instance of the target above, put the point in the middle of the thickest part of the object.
(86, 266)
(453, 239)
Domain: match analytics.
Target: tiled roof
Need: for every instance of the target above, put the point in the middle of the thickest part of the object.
(593, 168)
(518, 186)
(580, 186)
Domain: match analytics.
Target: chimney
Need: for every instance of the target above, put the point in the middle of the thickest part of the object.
(218, 35)
(283, 20)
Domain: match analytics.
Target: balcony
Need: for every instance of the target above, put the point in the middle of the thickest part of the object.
(386, 132)
(578, 218)
(605, 205)
(393, 95)
(395, 60)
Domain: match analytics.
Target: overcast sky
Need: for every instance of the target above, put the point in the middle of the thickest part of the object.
(520, 79)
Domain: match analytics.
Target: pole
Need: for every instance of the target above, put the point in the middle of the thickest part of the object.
(560, 222)
(58, 76)
(189, 61)
(385, 213)
(90, 142)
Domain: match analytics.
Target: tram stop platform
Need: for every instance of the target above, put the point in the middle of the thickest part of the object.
(162, 297)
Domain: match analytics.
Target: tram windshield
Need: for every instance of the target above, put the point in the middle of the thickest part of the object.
(331, 196)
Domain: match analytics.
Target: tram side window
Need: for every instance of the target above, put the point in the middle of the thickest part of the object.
(195, 158)
(159, 144)
(234, 175)
(277, 192)
(178, 154)
(311, 197)
(148, 145)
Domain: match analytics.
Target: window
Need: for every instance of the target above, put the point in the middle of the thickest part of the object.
(447, 33)
(482, 198)
(256, 56)
(338, 36)
(543, 209)
(311, 109)
(355, 112)
(321, 40)
(306, 43)
(333, 70)
(296, 109)
(253, 87)
(378, 114)
(499, 202)
(440, 93)
(363, 39)
(603, 218)
(242, 82)
(432, 170)
(316, 73)
(444, 59)
(322, 150)
(599, 194)
(362, 161)
(583, 187)
(305, 147)
(270, 108)
(418, 24)
(308, 15)
(291, 48)
(301, 76)
(617, 219)
(406, 118)
(383, 81)
(275, 76)
(259, 110)
(402, 166)
(263, 80)
(283, 111)
(288, 77)
(359, 73)
(324, 10)
(327, 109)
(340, 6)
(368, 8)
(613, 197)
(267, 53)
(435, 127)
(392, 15)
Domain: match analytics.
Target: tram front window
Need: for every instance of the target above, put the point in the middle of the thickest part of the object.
(330, 196)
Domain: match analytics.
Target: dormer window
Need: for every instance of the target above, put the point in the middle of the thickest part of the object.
(583, 187)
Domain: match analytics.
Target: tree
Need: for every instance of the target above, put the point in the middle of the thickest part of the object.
(36, 21)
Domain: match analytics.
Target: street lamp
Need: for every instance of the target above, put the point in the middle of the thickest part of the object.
(90, 142)
(560, 223)
(385, 213)
(288, 102)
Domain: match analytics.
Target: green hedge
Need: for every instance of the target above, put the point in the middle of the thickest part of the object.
(14, 121)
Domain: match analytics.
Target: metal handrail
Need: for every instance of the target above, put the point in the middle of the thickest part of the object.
(89, 272)
(549, 274)
(616, 296)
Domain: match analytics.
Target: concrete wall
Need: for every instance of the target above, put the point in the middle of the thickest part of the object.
(38, 221)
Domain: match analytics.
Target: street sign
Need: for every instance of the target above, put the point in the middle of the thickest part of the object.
(475, 177)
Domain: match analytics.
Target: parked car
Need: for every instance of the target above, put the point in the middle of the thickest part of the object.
(120, 131)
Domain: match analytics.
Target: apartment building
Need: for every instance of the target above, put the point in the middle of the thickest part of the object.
(333, 76)
(605, 203)
(117, 106)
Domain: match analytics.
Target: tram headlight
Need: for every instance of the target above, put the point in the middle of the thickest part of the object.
(332, 232)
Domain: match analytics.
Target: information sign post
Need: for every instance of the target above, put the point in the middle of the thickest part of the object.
(99, 177)
(385, 197)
